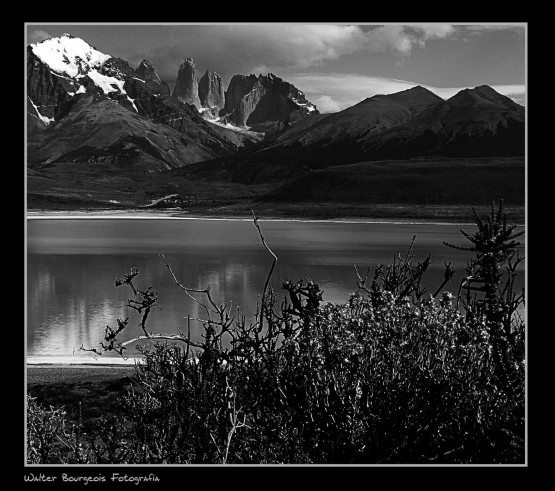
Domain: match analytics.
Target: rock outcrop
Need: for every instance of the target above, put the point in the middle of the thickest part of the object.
(251, 100)
(146, 72)
(211, 92)
(186, 85)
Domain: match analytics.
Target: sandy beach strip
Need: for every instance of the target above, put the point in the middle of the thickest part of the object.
(43, 374)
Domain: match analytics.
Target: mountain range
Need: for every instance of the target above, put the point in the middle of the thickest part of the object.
(86, 108)
(414, 123)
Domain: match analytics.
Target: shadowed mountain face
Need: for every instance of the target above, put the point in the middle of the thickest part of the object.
(211, 92)
(101, 130)
(367, 118)
(413, 123)
(250, 100)
(475, 122)
(186, 85)
(320, 140)
(416, 122)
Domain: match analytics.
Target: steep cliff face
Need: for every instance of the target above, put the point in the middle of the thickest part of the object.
(147, 72)
(186, 85)
(211, 92)
(251, 100)
(48, 92)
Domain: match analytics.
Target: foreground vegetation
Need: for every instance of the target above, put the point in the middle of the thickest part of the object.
(397, 374)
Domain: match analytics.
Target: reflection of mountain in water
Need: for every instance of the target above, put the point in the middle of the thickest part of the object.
(67, 305)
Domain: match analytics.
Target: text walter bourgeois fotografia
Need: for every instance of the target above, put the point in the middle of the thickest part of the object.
(114, 477)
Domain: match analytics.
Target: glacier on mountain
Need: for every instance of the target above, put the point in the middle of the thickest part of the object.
(69, 55)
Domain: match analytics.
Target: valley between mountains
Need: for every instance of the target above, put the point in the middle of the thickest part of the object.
(102, 135)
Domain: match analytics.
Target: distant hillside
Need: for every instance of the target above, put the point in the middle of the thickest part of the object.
(477, 122)
(472, 182)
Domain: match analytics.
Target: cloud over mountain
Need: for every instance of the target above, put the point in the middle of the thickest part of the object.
(274, 47)
(333, 92)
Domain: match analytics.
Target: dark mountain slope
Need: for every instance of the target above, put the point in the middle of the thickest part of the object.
(367, 118)
(100, 130)
(320, 140)
(477, 122)
(251, 100)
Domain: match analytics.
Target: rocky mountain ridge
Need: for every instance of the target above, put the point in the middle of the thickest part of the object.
(85, 106)
(67, 79)
(186, 85)
(251, 99)
(211, 92)
(62, 71)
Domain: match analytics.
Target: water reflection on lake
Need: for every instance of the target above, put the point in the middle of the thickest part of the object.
(72, 264)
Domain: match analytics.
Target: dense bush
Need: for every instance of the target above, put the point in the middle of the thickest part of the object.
(395, 375)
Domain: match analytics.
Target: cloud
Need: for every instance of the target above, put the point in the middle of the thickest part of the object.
(326, 104)
(344, 89)
(231, 49)
(482, 28)
(332, 92)
(434, 31)
(37, 35)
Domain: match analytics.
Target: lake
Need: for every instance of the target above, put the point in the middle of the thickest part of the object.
(72, 264)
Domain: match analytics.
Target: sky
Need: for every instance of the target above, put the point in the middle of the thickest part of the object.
(335, 65)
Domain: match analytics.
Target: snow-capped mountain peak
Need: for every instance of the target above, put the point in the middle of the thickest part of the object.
(69, 55)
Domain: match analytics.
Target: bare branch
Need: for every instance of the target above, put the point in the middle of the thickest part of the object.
(361, 283)
(271, 269)
(189, 290)
(169, 337)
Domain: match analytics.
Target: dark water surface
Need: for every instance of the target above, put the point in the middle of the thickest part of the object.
(72, 264)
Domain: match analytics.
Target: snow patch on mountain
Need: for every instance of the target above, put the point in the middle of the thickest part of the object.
(69, 55)
(80, 90)
(132, 101)
(44, 119)
(308, 105)
(238, 129)
(106, 83)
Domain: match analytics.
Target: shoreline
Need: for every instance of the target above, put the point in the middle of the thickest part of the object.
(68, 360)
(305, 211)
(244, 219)
(61, 364)
(179, 215)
